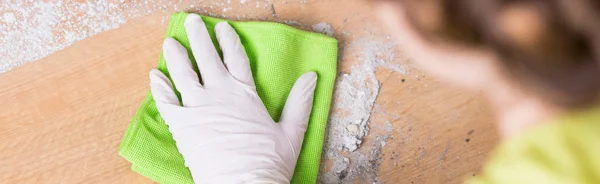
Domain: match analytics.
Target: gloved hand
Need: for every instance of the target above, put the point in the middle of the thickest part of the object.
(222, 129)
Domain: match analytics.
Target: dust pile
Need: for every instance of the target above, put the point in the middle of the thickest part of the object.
(354, 100)
(324, 28)
(33, 29)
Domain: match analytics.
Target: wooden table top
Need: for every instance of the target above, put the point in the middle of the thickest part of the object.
(62, 117)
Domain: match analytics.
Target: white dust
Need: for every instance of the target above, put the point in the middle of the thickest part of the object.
(354, 100)
(324, 28)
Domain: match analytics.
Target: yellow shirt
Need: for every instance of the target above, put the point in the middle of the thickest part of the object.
(566, 150)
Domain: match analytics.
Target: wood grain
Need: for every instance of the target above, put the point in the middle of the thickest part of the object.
(62, 123)
(62, 117)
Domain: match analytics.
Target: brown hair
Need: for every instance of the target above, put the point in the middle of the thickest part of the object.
(551, 47)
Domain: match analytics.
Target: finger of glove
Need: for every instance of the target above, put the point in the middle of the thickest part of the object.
(294, 118)
(209, 63)
(162, 89)
(234, 54)
(163, 94)
(181, 70)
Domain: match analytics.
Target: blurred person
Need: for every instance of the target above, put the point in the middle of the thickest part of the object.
(536, 61)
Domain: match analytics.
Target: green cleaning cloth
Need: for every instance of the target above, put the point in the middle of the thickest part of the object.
(278, 55)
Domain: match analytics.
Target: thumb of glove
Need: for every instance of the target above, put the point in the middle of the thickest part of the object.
(296, 112)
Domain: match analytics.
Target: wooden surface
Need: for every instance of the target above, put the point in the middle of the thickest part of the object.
(62, 117)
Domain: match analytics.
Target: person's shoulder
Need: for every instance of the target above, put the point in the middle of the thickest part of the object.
(563, 151)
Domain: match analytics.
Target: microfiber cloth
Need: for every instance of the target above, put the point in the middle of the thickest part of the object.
(278, 55)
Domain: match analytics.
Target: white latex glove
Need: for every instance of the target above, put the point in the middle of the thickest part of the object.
(222, 129)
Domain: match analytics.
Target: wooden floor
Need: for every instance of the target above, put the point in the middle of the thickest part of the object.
(62, 117)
